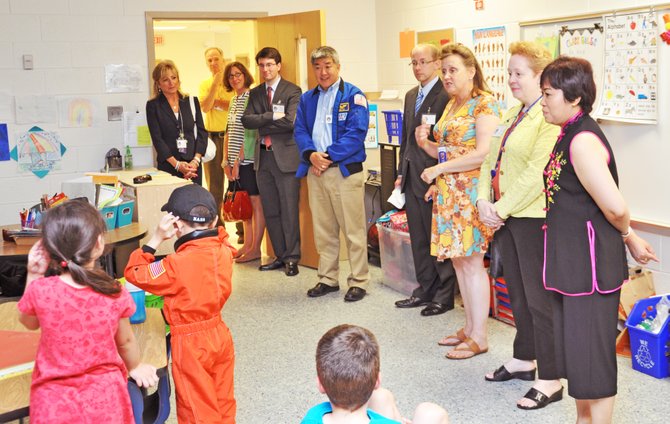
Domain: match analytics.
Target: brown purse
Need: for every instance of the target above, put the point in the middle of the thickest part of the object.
(236, 206)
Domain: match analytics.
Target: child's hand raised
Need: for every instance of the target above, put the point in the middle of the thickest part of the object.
(38, 261)
(165, 230)
(144, 375)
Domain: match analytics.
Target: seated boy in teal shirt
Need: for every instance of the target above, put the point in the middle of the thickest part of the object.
(347, 366)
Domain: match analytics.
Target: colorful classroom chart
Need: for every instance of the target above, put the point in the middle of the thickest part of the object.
(490, 48)
(631, 69)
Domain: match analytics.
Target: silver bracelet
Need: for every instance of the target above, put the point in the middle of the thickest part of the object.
(176, 166)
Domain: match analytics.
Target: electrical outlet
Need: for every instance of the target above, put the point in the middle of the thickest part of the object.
(114, 113)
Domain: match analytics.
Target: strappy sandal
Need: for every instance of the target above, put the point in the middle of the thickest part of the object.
(460, 336)
(471, 347)
(541, 400)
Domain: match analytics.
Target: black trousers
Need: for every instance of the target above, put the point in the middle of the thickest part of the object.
(521, 241)
(585, 328)
(214, 173)
(437, 280)
(280, 197)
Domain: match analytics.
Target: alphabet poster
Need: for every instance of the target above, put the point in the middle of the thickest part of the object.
(631, 69)
(490, 47)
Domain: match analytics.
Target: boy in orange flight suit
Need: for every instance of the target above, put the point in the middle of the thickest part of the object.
(195, 282)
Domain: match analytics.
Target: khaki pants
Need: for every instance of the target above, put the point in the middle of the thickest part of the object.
(337, 204)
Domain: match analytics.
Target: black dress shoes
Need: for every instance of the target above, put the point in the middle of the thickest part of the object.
(276, 264)
(354, 294)
(292, 269)
(435, 308)
(321, 289)
(412, 302)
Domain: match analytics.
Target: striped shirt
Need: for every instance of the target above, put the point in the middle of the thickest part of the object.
(235, 129)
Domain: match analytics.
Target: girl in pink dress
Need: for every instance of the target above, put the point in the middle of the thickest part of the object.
(87, 344)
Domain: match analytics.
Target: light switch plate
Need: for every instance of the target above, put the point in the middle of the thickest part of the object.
(28, 62)
(114, 113)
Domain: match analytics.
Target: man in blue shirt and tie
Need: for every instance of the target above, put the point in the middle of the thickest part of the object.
(330, 129)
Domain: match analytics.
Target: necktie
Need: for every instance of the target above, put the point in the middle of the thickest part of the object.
(419, 100)
(266, 139)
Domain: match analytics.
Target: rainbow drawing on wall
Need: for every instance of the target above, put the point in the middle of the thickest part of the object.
(80, 113)
(38, 151)
(76, 112)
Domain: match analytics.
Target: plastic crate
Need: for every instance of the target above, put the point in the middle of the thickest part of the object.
(503, 307)
(393, 119)
(649, 352)
(153, 301)
(395, 251)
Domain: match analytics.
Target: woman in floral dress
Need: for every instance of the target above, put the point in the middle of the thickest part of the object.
(463, 134)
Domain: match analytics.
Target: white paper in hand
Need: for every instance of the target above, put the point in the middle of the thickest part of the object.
(397, 198)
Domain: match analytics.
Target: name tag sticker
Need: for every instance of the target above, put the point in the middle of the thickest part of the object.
(278, 108)
(344, 107)
(329, 119)
(342, 116)
(428, 118)
(500, 130)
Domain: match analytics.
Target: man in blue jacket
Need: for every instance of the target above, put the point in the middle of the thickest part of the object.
(330, 129)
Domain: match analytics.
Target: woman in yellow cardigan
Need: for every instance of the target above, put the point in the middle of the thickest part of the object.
(510, 199)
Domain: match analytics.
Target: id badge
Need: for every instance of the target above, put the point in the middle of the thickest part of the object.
(441, 154)
(182, 144)
(500, 130)
(278, 108)
(428, 118)
(329, 119)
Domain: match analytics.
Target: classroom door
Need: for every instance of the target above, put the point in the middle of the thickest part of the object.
(284, 32)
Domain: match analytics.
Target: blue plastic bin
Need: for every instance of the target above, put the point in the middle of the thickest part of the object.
(393, 119)
(650, 352)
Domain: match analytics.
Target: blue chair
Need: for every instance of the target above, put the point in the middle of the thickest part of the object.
(153, 408)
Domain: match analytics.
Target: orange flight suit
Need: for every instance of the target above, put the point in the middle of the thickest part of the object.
(195, 282)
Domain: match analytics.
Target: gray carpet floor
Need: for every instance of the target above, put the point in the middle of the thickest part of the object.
(276, 327)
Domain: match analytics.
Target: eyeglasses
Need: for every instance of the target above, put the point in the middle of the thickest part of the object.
(421, 63)
(267, 65)
(237, 75)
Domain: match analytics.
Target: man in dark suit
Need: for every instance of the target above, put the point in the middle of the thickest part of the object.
(271, 110)
(424, 103)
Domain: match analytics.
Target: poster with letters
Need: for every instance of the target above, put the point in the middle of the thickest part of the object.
(631, 69)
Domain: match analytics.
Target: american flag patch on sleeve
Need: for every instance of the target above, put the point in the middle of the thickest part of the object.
(156, 269)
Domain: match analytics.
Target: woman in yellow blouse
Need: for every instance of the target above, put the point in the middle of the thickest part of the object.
(510, 199)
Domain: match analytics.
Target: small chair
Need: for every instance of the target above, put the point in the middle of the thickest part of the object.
(153, 408)
(155, 347)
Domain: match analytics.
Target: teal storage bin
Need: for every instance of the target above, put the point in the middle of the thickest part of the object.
(109, 215)
(650, 352)
(124, 213)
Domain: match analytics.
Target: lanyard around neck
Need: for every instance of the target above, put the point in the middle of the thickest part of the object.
(519, 117)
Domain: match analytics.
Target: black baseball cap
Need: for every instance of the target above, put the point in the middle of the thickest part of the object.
(185, 198)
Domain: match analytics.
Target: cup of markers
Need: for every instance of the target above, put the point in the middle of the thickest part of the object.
(28, 219)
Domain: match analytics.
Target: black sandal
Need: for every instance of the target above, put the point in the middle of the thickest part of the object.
(541, 400)
(501, 374)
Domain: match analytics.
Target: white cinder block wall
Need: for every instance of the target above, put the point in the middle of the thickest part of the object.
(646, 196)
(72, 40)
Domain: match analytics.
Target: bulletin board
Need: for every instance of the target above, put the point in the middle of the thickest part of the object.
(638, 132)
